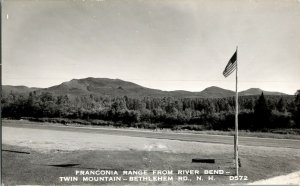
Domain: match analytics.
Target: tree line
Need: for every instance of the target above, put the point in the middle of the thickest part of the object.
(255, 112)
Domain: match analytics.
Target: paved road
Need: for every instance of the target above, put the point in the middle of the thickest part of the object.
(246, 141)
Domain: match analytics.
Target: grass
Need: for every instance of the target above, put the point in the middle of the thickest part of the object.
(41, 156)
(36, 167)
(252, 134)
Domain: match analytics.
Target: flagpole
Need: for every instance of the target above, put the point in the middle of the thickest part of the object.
(1, 90)
(236, 117)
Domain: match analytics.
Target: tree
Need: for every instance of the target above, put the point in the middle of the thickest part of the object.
(296, 113)
(281, 105)
(249, 104)
(261, 113)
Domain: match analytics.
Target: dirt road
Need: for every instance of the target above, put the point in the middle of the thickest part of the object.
(219, 139)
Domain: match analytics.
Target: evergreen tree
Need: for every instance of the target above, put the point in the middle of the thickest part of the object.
(296, 113)
(281, 105)
(261, 113)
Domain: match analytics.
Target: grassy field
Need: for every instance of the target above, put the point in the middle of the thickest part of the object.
(40, 156)
(284, 134)
(33, 167)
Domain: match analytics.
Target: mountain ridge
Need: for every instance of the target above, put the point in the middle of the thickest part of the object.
(256, 91)
(118, 87)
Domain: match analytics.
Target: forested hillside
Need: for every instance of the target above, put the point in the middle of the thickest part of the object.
(255, 112)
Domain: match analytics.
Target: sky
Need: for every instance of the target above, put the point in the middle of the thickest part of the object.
(161, 44)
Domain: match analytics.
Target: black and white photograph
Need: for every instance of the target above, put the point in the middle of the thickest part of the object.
(150, 92)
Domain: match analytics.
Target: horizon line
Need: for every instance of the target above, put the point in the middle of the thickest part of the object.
(152, 88)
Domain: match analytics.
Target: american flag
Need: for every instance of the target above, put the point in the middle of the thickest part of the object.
(231, 66)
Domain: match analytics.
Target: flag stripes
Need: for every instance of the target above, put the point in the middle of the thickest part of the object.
(231, 66)
(229, 70)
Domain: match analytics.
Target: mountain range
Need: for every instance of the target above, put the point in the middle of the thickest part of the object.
(117, 87)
